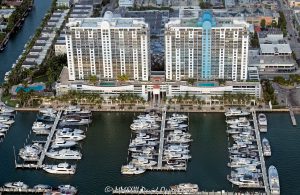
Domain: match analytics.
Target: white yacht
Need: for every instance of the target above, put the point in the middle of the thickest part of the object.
(75, 121)
(180, 116)
(40, 126)
(137, 142)
(61, 168)
(131, 170)
(48, 111)
(42, 187)
(185, 187)
(4, 129)
(262, 122)
(6, 120)
(240, 125)
(67, 189)
(140, 126)
(57, 143)
(76, 110)
(274, 180)
(16, 185)
(70, 136)
(69, 130)
(4, 109)
(143, 162)
(262, 119)
(236, 112)
(236, 121)
(2, 134)
(266, 147)
(31, 152)
(64, 154)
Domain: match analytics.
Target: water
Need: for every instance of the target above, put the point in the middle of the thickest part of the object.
(16, 43)
(105, 150)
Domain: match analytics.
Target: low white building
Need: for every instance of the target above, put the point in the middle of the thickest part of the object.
(126, 3)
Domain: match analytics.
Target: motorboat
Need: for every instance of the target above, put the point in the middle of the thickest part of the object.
(140, 126)
(185, 188)
(16, 185)
(176, 156)
(6, 120)
(75, 121)
(61, 143)
(76, 110)
(42, 187)
(242, 162)
(67, 189)
(240, 125)
(176, 149)
(137, 142)
(5, 109)
(131, 170)
(177, 139)
(262, 119)
(46, 118)
(64, 154)
(235, 112)
(246, 180)
(70, 136)
(47, 111)
(2, 134)
(236, 121)
(31, 152)
(40, 126)
(180, 116)
(274, 180)
(262, 123)
(70, 130)
(61, 168)
(143, 162)
(266, 147)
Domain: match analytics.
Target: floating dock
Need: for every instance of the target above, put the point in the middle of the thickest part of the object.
(28, 190)
(166, 192)
(261, 156)
(294, 122)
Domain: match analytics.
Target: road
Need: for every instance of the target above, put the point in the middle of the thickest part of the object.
(292, 32)
(287, 96)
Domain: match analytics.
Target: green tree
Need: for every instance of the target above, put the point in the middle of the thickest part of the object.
(93, 79)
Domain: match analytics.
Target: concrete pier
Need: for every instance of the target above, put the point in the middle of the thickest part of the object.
(49, 139)
(261, 156)
(161, 139)
(294, 122)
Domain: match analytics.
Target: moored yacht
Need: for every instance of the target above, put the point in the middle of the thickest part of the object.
(64, 154)
(57, 143)
(131, 170)
(236, 112)
(67, 189)
(185, 187)
(40, 126)
(262, 122)
(266, 147)
(31, 152)
(69, 130)
(16, 185)
(70, 136)
(42, 187)
(274, 180)
(61, 168)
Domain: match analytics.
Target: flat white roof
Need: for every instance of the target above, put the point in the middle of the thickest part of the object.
(275, 48)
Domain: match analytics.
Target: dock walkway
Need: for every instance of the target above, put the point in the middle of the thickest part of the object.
(49, 139)
(161, 139)
(28, 190)
(294, 122)
(166, 192)
(261, 156)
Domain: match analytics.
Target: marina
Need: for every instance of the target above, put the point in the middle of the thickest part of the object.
(58, 143)
(246, 153)
(209, 141)
(153, 148)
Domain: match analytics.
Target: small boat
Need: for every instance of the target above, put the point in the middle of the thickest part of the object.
(61, 143)
(31, 152)
(262, 122)
(67, 189)
(75, 109)
(274, 180)
(69, 130)
(61, 168)
(266, 147)
(185, 187)
(40, 126)
(70, 136)
(64, 154)
(131, 170)
(41, 117)
(236, 112)
(16, 185)
(42, 187)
